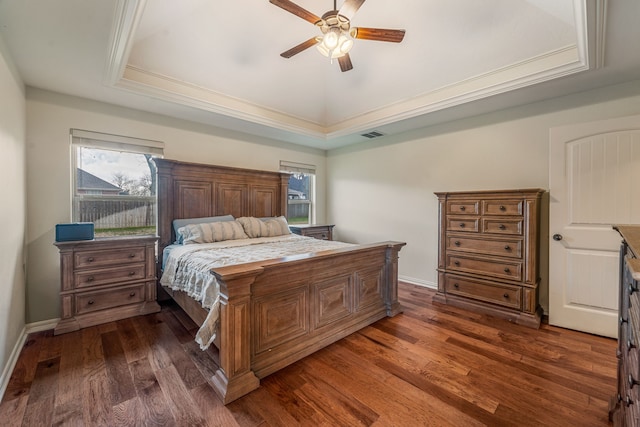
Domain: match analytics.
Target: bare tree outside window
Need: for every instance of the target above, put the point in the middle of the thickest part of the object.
(116, 191)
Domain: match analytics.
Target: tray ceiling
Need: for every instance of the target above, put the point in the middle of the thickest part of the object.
(218, 62)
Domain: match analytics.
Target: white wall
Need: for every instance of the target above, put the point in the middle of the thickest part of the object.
(49, 118)
(12, 214)
(383, 189)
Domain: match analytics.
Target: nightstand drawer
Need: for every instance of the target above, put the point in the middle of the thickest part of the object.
(317, 231)
(504, 295)
(92, 259)
(114, 275)
(87, 302)
(318, 234)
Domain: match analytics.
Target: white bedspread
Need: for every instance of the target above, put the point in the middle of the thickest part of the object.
(187, 268)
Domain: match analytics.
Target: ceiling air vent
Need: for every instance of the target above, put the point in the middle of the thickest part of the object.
(373, 134)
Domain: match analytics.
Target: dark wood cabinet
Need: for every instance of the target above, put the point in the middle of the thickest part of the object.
(488, 252)
(623, 407)
(319, 231)
(106, 279)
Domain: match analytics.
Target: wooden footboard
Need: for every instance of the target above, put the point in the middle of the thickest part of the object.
(276, 312)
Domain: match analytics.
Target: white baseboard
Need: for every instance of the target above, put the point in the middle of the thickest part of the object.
(11, 363)
(418, 282)
(43, 325)
(15, 353)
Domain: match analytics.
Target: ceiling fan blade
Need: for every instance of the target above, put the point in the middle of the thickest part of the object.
(345, 62)
(379, 34)
(299, 48)
(296, 10)
(350, 7)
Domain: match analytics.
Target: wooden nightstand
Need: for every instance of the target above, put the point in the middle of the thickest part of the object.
(106, 279)
(319, 231)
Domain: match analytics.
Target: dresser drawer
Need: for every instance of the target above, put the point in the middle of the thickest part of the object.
(504, 295)
(467, 224)
(103, 258)
(502, 226)
(511, 248)
(502, 207)
(88, 278)
(463, 207)
(511, 270)
(87, 302)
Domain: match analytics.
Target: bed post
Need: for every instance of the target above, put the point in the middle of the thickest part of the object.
(391, 266)
(235, 377)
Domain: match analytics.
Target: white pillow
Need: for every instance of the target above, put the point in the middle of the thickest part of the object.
(268, 227)
(212, 232)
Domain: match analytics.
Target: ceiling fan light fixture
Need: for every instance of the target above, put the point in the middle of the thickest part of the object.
(335, 43)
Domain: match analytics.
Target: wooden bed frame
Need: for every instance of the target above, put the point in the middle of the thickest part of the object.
(273, 312)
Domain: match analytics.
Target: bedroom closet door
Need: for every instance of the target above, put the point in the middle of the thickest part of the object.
(594, 182)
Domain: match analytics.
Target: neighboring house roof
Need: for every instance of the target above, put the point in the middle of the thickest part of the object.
(87, 181)
(295, 194)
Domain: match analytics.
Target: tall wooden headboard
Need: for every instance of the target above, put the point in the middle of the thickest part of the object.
(190, 190)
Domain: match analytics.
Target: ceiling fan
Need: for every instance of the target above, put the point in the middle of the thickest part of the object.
(337, 34)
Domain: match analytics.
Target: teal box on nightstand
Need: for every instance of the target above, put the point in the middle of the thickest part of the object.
(74, 231)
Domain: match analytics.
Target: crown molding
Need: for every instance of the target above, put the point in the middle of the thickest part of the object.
(587, 53)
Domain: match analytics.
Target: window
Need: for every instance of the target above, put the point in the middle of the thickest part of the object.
(114, 183)
(301, 198)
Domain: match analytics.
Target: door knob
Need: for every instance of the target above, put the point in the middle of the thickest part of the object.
(557, 237)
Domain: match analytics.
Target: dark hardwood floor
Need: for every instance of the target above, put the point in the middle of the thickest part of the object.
(432, 365)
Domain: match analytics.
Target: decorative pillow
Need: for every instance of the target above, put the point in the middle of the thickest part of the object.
(179, 223)
(212, 232)
(268, 227)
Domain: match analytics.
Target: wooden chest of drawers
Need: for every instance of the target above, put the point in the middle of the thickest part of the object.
(106, 279)
(488, 252)
(623, 407)
(319, 231)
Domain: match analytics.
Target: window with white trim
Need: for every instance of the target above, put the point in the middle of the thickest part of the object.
(114, 183)
(301, 197)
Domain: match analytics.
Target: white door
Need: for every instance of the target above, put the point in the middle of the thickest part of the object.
(594, 182)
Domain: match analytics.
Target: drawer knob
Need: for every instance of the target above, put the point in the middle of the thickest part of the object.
(132, 294)
(132, 273)
(630, 345)
(463, 208)
(507, 248)
(619, 397)
(456, 262)
(502, 208)
(90, 279)
(502, 227)
(506, 295)
(507, 270)
(90, 302)
(457, 243)
(132, 255)
(632, 381)
(455, 285)
(90, 259)
(622, 320)
(462, 225)
(628, 401)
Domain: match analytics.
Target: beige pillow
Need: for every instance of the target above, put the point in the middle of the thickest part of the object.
(212, 232)
(269, 227)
